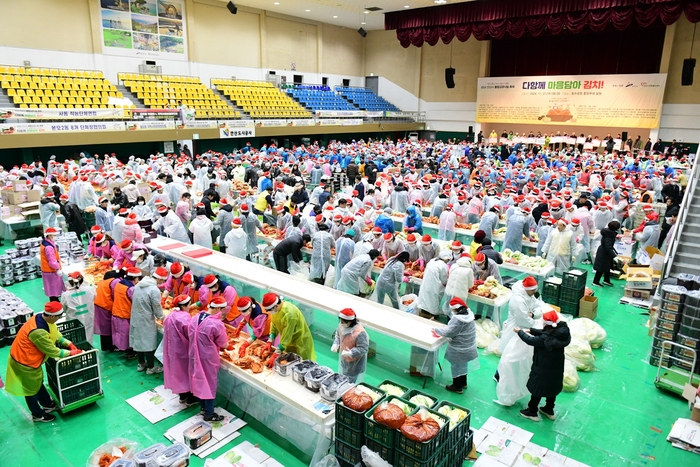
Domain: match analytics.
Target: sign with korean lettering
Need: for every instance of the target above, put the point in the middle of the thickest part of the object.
(60, 114)
(58, 127)
(629, 101)
(236, 132)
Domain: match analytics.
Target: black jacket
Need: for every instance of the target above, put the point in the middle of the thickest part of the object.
(74, 218)
(671, 211)
(290, 246)
(300, 198)
(547, 372)
(537, 212)
(606, 251)
(122, 201)
(671, 191)
(491, 254)
(351, 172)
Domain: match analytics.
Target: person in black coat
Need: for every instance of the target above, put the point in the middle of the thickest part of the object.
(74, 219)
(537, 212)
(547, 372)
(672, 190)
(606, 254)
(487, 249)
(289, 246)
(672, 209)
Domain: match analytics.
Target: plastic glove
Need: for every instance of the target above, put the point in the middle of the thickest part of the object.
(240, 326)
(271, 361)
(406, 279)
(231, 345)
(435, 334)
(421, 263)
(411, 229)
(573, 259)
(346, 353)
(335, 348)
(75, 352)
(268, 346)
(241, 351)
(198, 305)
(368, 280)
(72, 347)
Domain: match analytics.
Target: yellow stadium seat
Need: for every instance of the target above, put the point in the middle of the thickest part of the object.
(70, 106)
(11, 91)
(17, 99)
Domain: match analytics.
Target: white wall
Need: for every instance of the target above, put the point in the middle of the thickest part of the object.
(680, 122)
(449, 116)
(397, 95)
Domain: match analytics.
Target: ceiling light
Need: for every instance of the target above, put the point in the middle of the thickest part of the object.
(308, 11)
(335, 16)
(407, 6)
(363, 22)
(440, 2)
(277, 3)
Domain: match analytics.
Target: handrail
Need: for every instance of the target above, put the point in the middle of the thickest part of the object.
(682, 215)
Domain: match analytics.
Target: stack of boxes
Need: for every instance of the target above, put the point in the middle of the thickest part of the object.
(13, 314)
(667, 323)
(350, 430)
(19, 201)
(573, 289)
(689, 332)
(641, 282)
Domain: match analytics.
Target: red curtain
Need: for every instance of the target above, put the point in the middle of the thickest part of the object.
(515, 18)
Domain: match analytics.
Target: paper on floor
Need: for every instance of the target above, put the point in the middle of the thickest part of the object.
(156, 404)
(222, 432)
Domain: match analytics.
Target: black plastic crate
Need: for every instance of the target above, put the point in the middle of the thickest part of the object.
(377, 431)
(688, 331)
(571, 295)
(574, 279)
(569, 308)
(347, 453)
(11, 331)
(404, 460)
(71, 364)
(348, 435)
(691, 322)
(550, 289)
(421, 452)
(72, 330)
(460, 431)
(688, 341)
(385, 452)
(73, 379)
(80, 392)
(550, 300)
(691, 310)
(351, 418)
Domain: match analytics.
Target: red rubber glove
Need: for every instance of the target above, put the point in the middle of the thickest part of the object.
(240, 326)
(435, 334)
(406, 279)
(74, 352)
(268, 347)
(271, 361)
(231, 345)
(241, 351)
(72, 347)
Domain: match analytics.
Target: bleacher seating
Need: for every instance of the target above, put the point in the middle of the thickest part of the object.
(58, 88)
(260, 99)
(366, 99)
(319, 98)
(160, 91)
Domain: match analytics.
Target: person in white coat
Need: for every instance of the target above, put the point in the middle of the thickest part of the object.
(79, 303)
(344, 249)
(649, 236)
(321, 243)
(559, 248)
(356, 270)
(433, 287)
(47, 211)
(390, 279)
(145, 309)
(171, 224)
(236, 240)
(250, 224)
(459, 281)
(201, 227)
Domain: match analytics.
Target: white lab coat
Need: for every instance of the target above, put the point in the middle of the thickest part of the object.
(519, 307)
(322, 242)
(145, 309)
(172, 226)
(354, 272)
(236, 242)
(433, 287)
(201, 228)
(80, 304)
(344, 249)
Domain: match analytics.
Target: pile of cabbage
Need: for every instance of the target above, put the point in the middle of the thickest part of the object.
(588, 330)
(530, 262)
(486, 332)
(454, 414)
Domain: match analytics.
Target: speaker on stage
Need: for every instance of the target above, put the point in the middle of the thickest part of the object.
(624, 137)
(232, 8)
(450, 77)
(688, 71)
(362, 32)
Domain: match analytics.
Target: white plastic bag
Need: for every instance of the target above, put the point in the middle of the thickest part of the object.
(118, 447)
(588, 330)
(483, 338)
(410, 308)
(372, 459)
(571, 380)
(580, 353)
(330, 277)
(300, 269)
(328, 461)
(490, 327)
(513, 371)
(492, 348)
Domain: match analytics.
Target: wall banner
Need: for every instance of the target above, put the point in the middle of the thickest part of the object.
(60, 114)
(74, 127)
(627, 101)
(151, 125)
(236, 132)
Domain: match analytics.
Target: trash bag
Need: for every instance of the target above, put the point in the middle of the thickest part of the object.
(410, 307)
(328, 461)
(580, 353)
(330, 277)
(372, 459)
(571, 379)
(513, 371)
(112, 450)
(588, 330)
(300, 269)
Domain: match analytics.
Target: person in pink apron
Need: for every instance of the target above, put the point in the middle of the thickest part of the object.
(176, 346)
(207, 337)
(51, 272)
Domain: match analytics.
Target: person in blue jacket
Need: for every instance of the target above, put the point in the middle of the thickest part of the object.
(385, 222)
(413, 222)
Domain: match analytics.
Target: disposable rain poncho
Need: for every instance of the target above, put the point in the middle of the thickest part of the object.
(399, 200)
(649, 236)
(207, 335)
(446, 231)
(559, 248)
(80, 304)
(236, 242)
(543, 232)
(438, 207)
(201, 228)
(250, 225)
(388, 283)
(321, 242)
(176, 347)
(461, 331)
(47, 213)
(145, 309)
(489, 223)
(355, 341)
(354, 271)
(172, 226)
(414, 221)
(223, 222)
(433, 287)
(459, 281)
(294, 333)
(344, 249)
(516, 226)
(519, 308)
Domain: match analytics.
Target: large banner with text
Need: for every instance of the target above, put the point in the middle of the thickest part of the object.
(623, 101)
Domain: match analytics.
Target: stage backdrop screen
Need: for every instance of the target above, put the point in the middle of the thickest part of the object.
(628, 101)
(144, 28)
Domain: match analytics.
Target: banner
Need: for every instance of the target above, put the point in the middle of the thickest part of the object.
(144, 28)
(628, 101)
(261, 123)
(35, 128)
(400, 114)
(236, 124)
(351, 122)
(243, 132)
(198, 124)
(341, 113)
(151, 125)
(304, 122)
(59, 114)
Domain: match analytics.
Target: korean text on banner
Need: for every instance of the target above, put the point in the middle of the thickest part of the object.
(632, 101)
(36, 128)
(60, 114)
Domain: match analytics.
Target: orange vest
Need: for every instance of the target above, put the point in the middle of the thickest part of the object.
(44, 262)
(122, 304)
(347, 341)
(104, 298)
(23, 350)
(178, 286)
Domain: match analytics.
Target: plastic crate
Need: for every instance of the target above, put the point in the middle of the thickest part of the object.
(348, 435)
(416, 392)
(347, 453)
(571, 295)
(688, 331)
(77, 362)
(75, 378)
(574, 279)
(551, 288)
(377, 431)
(421, 452)
(691, 322)
(401, 386)
(385, 452)
(72, 330)
(351, 418)
(460, 431)
(691, 310)
(80, 392)
(402, 459)
(569, 308)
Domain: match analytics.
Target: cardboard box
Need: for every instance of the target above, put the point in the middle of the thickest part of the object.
(33, 195)
(588, 307)
(6, 212)
(639, 277)
(19, 185)
(15, 198)
(692, 395)
(656, 257)
(639, 294)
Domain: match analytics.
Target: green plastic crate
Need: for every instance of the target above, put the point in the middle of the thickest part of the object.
(385, 452)
(73, 330)
(80, 392)
(74, 378)
(402, 459)
(574, 279)
(347, 453)
(351, 418)
(571, 295)
(460, 431)
(415, 392)
(569, 308)
(424, 451)
(348, 435)
(377, 431)
(401, 386)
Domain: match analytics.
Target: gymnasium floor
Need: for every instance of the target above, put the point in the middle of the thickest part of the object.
(617, 417)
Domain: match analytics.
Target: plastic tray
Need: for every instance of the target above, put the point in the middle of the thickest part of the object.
(667, 325)
(351, 418)
(343, 384)
(673, 293)
(693, 333)
(377, 431)
(286, 369)
(421, 452)
(300, 370)
(146, 458)
(314, 383)
(77, 362)
(670, 315)
(688, 341)
(569, 308)
(72, 330)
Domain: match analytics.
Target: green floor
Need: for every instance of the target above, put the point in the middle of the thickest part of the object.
(616, 418)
